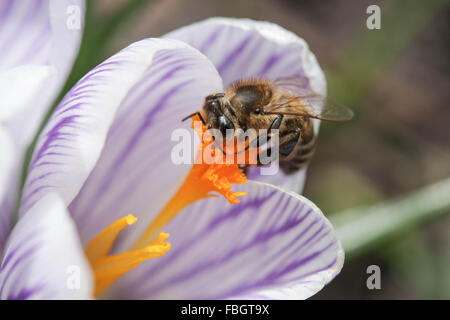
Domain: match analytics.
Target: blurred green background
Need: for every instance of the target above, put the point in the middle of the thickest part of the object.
(382, 178)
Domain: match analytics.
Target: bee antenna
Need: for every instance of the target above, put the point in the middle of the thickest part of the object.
(197, 113)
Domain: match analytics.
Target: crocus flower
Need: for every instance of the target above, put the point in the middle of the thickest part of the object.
(38, 44)
(106, 152)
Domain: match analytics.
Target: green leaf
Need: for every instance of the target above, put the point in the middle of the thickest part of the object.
(366, 228)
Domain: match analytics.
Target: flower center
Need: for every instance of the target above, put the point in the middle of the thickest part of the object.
(202, 179)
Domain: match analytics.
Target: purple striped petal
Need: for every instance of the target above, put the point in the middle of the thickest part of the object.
(115, 126)
(43, 258)
(273, 244)
(243, 48)
(37, 50)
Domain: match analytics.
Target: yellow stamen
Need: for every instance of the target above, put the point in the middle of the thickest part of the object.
(108, 268)
(102, 244)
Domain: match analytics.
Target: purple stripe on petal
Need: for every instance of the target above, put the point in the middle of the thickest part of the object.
(210, 41)
(14, 251)
(231, 56)
(42, 251)
(6, 10)
(241, 250)
(25, 294)
(272, 61)
(21, 259)
(272, 279)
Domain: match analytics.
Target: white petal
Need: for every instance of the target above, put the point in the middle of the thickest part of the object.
(44, 258)
(28, 79)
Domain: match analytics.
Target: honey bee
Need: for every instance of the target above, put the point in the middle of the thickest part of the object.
(282, 104)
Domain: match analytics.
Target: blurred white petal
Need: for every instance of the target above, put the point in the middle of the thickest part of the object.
(43, 258)
(19, 87)
(37, 50)
(6, 164)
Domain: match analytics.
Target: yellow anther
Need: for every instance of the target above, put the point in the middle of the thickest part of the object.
(108, 268)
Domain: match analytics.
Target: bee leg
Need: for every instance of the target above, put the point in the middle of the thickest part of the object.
(284, 150)
(274, 126)
(194, 114)
(276, 123)
(218, 145)
(287, 148)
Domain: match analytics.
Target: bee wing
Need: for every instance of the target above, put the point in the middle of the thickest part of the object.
(302, 101)
(312, 106)
(297, 84)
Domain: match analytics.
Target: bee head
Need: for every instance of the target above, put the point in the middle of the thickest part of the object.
(215, 116)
